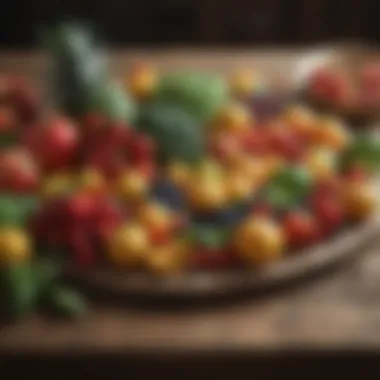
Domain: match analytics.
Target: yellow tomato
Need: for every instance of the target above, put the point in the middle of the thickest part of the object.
(128, 245)
(92, 180)
(208, 169)
(168, 259)
(234, 117)
(155, 217)
(302, 120)
(15, 245)
(132, 185)
(333, 134)
(259, 240)
(359, 200)
(143, 80)
(179, 173)
(239, 186)
(321, 163)
(244, 82)
(56, 184)
(207, 194)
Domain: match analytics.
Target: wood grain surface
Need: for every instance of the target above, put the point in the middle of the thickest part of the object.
(337, 311)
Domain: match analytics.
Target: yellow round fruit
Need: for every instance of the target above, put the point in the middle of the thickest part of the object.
(128, 245)
(155, 217)
(132, 185)
(244, 82)
(333, 134)
(235, 118)
(302, 120)
(259, 240)
(239, 186)
(56, 184)
(15, 245)
(208, 169)
(359, 200)
(207, 194)
(321, 163)
(168, 259)
(299, 116)
(179, 173)
(142, 82)
(91, 180)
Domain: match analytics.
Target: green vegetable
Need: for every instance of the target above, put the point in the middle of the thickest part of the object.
(288, 187)
(111, 100)
(19, 293)
(80, 74)
(200, 94)
(209, 236)
(365, 151)
(67, 302)
(46, 273)
(177, 134)
(15, 210)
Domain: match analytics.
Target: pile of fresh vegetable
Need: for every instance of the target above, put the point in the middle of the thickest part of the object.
(167, 173)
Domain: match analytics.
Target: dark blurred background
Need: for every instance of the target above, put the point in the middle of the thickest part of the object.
(198, 22)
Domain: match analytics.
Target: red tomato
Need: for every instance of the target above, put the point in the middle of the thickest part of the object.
(328, 187)
(58, 144)
(329, 85)
(370, 76)
(8, 119)
(329, 212)
(82, 207)
(262, 209)
(356, 173)
(81, 245)
(301, 229)
(256, 141)
(142, 148)
(117, 136)
(225, 146)
(93, 125)
(287, 144)
(18, 171)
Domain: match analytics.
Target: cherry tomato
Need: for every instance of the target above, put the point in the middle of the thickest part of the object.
(301, 229)
(329, 212)
(356, 173)
(286, 144)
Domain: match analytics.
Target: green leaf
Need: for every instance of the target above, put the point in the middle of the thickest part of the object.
(46, 273)
(209, 236)
(365, 151)
(201, 94)
(19, 291)
(67, 302)
(288, 187)
(15, 209)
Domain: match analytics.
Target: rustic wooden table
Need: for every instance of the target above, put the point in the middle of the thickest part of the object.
(336, 312)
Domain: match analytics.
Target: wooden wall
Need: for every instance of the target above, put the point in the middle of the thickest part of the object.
(197, 22)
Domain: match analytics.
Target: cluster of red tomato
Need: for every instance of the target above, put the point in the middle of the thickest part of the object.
(338, 88)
